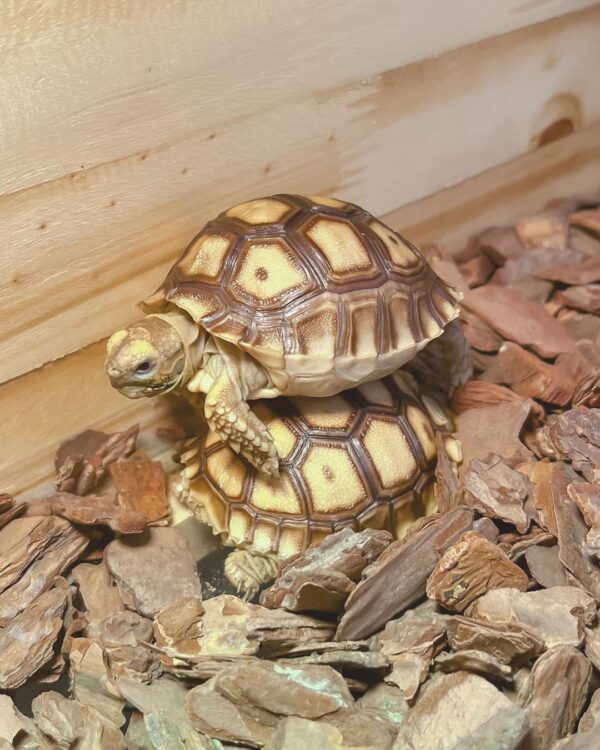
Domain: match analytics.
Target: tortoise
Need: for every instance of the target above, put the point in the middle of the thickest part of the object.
(285, 295)
(362, 458)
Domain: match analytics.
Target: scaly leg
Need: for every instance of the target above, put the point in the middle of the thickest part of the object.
(247, 571)
(230, 417)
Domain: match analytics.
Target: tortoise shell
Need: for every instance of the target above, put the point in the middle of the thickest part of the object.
(310, 287)
(363, 458)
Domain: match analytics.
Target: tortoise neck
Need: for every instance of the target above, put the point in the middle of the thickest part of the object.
(193, 340)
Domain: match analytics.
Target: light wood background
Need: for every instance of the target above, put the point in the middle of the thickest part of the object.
(126, 124)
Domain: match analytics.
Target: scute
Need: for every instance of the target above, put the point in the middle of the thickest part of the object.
(268, 274)
(341, 246)
(334, 485)
(389, 452)
(362, 458)
(260, 211)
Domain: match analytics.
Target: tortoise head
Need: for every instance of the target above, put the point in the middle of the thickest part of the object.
(151, 356)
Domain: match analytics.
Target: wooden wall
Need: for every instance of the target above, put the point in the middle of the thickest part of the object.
(126, 124)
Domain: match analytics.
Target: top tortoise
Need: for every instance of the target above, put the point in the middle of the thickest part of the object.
(284, 295)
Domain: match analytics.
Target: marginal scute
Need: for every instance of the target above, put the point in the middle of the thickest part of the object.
(326, 201)
(423, 430)
(267, 274)
(445, 308)
(400, 254)
(265, 537)
(292, 540)
(227, 470)
(389, 452)
(340, 245)
(205, 256)
(401, 332)
(333, 481)
(208, 505)
(239, 526)
(377, 392)
(260, 211)
(275, 495)
(317, 332)
(429, 325)
(284, 436)
(362, 317)
(333, 413)
(198, 304)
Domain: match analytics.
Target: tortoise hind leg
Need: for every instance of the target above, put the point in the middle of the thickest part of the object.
(230, 417)
(247, 570)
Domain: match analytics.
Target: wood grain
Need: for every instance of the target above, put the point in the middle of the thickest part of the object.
(41, 408)
(121, 165)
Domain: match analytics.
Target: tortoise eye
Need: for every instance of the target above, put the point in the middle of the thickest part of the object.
(144, 367)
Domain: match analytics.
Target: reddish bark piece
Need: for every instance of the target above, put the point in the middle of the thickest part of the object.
(572, 531)
(82, 460)
(232, 627)
(498, 244)
(448, 490)
(555, 693)
(545, 566)
(245, 702)
(27, 642)
(398, 579)
(558, 615)
(477, 270)
(548, 229)
(540, 474)
(154, 571)
(33, 553)
(588, 220)
(477, 394)
(141, 486)
(98, 593)
(575, 435)
(476, 662)
(469, 568)
(9, 510)
(523, 268)
(478, 334)
(585, 297)
(494, 429)
(508, 642)
(587, 498)
(584, 272)
(91, 683)
(530, 376)
(537, 290)
(462, 710)
(71, 724)
(323, 577)
(587, 392)
(519, 319)
(124, 636)
(580, 325)
(497, 491)
(91, 510)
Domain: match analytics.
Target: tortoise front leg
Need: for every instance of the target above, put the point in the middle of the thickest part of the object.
(248, 570)
(230, 417)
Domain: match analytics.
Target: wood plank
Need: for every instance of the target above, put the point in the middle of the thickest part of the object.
(43, 407)
(78, 251)
(92, 83)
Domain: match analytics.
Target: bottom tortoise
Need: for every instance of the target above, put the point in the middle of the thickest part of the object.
(363, 458)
